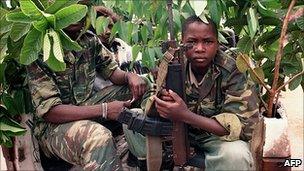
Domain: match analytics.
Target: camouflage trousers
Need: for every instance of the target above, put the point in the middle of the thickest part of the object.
(219, 154)
(86, 143)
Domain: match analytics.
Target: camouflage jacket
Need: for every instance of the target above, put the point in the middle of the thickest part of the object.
(72, 86)
(226, 95)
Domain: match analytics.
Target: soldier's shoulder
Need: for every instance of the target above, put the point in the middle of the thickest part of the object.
(225, 61)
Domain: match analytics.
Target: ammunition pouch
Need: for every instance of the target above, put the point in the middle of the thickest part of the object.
(146, 125)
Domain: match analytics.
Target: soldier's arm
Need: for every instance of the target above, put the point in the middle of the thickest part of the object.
(176, 109)
(240, 107)
(66, 113)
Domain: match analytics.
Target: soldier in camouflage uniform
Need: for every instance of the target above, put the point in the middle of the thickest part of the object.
(66, 104)
(221, 105)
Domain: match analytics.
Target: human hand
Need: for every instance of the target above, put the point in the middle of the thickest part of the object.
(115, 108)
(171, 106)
(137, 85)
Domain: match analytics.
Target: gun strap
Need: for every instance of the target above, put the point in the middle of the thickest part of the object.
(161, 76)
(153, 143)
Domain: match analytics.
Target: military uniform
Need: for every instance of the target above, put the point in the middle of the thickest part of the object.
(85, 143)
(226, 95)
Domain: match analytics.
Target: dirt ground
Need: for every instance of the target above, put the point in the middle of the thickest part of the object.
(294, 104)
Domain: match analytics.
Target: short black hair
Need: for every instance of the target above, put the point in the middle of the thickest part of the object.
(195, 18)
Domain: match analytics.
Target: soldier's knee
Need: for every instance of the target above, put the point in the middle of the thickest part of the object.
(98, 137)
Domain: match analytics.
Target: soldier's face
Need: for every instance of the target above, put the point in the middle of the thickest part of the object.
(105, 36)
(204, 44)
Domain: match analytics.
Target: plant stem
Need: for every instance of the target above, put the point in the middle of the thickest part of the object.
(287, 82)
(278, 60)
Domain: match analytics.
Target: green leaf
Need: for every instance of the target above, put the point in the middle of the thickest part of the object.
(92, 15)
(41, 25)
(151, 53)
(54, 64)
(51, 19)
(57, 5)
(19, 17)
(300, 23)
(101, 24)
(252, 21)
(70, 15)
(30, 9)
(295, 83)
(68, 43)
(19, 30)
(203, 18)
(5, 140)
(135, 51)
(245, 44)
(144, 33)
(198, 6)
(241, 61)
(5, 26)
(260, 74)
(31, 47)
(57, 48)
(215, 9)
(12, 126)
(9, 103)
(221, 38)
(46, 47)
(264, 11)
(176, 18)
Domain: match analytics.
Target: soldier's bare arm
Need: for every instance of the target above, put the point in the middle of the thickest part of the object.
(65, 113)
(137, 85)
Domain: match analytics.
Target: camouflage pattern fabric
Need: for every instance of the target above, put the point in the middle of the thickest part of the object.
(85, 143)
(226, 95)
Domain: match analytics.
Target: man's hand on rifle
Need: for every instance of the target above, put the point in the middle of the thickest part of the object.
(170, 105)
(115, 108)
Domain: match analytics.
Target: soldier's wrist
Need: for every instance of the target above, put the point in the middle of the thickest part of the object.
(104, 110)
(126, 77)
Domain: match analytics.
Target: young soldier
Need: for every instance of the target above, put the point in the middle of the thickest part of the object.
(221, 106)
(66, 104)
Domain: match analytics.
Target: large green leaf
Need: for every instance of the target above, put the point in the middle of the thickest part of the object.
(198, 6)
(144, 33)
(57, 5)
(245, 44)
(5, 26)
(241, 62)
(46, 47)
(68, 43)
(54, 64)
(70, 15)
(57, 47)
(9, 103)
(264, 11)
(30, 9)
(31, 47)
(215, 9)
(252, 21)
(101, 24)
(295, 83)
(135, 51)
(41, 25)
(260, 73)
(19, 30)
(19, 17)
(7, 124)
(300, 22)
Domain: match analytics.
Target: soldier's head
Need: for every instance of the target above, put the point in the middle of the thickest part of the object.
(202, 40)
(112, 17)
